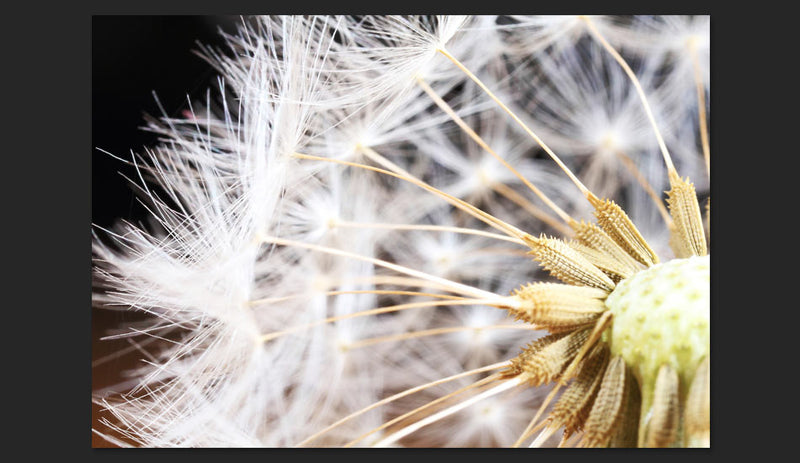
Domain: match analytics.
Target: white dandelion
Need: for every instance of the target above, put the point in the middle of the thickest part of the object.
(345, 253)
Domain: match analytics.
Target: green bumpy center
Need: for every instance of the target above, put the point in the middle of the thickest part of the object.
(661, 315)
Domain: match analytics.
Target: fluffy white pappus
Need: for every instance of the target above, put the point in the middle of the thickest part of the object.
(467, 171)
(386, 126)
(528, 35)
(197, 262)
(582, 104)
(195, 400)
(389, 53)
(335, 211)
(329, 377)
(225, 177)
(480, 261)
(685, 141)
(476, 171)
(674, 37)
(284, 86)
(313, 210)
(489, 335)
(337, 367)
(681, 43)
(219, 388)
(453, 256)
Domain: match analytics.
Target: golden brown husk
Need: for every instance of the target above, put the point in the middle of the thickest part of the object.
(615, 222)
(543, 360)
(687, 235)
(567, 264)
(557, 307)
(662, 429)
(608, 406)
(697, 417)
(573, 407)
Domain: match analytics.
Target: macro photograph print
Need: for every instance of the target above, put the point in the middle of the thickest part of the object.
(402, 231)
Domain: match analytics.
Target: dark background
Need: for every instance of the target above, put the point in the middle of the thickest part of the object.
(132, 57)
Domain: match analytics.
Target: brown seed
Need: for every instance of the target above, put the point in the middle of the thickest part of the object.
(708, 221)
(545, 359)
(687, 236)
(573, 407)
(662, 430)
(593, 236)
(567, 264)
(608, 406)
(616, 271)
(615, 222)
(556, 306)
(697, 416)
(627, 433)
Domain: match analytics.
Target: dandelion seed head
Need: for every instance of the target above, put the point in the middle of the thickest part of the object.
(337, 245)
(662, 316)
